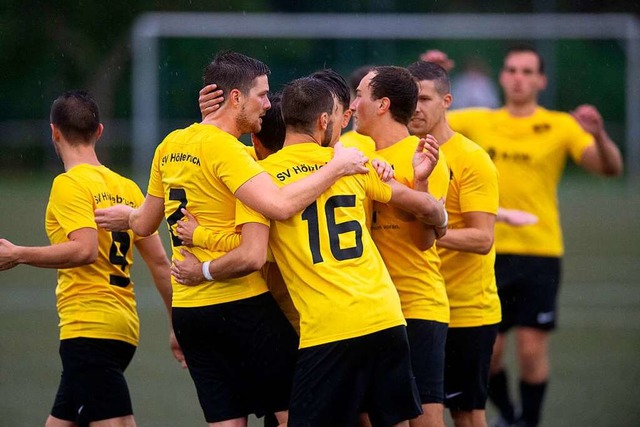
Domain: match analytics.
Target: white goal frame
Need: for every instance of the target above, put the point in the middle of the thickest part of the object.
(151, 27)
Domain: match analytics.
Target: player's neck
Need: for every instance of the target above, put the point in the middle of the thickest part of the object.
(522, 109)
(442, 132)
(78, 155)
(389, 133)
(223, 121)
(293, 138)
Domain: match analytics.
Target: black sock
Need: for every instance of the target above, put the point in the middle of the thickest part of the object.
(499, 395)
(532, 396)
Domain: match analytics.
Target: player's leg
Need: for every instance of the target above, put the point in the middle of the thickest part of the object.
(508, 274)
(536, 320)
(427, 343)
(392, 398)
(468, 356)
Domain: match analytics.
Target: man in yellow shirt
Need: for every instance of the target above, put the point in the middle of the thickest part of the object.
(530, 145)
(385, 102)
(467, 252)
(229, 327)
(99, 325)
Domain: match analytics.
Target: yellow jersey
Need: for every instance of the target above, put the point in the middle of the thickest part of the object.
(361, 142)
(333, 270)
(470, 279)
(95, 300)
(200, 168)
(415, 273)
(530, 154)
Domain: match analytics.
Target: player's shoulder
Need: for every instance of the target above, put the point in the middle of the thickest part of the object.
(555, 116)
(473, 112)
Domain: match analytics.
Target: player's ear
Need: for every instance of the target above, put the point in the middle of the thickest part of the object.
(55, 132)
(384, 105)
(235, 96)
(323, 121)
(447, 100)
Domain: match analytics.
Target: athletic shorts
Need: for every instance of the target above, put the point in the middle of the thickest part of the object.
(528, 290)
(240, 354)
(92, 386)
(466, 375)
(427, 342)
(337, 381)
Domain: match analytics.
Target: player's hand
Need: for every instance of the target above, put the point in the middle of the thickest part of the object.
(186, 228)
(425, 158)
(515, 217)
(176, 350)
(210, 99)
(114, 218)
(383, 169)
(589, 118)
(187, 272)
(438, 57)
(349, 160)
(8, 255)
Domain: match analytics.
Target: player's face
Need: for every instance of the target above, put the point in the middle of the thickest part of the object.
(521, 79)
(255, 105)
(430, 109)
(363, 107)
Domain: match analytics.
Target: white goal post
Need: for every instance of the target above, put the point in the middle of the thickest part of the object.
(151, 27)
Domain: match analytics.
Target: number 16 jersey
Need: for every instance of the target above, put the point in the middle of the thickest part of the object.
(333, 270)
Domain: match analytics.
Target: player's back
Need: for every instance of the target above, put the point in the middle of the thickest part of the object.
(334, 272)
(95, 300)
(200, 168)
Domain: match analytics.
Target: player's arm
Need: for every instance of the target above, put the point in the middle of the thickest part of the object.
(476, 236)
(143, 220)
(280, 203)
(153, 254)
(603, 157)
(81, 249)
(423, 205)
(250, 256)
(516, 217)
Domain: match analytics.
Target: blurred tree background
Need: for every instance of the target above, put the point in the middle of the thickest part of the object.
(48, 47)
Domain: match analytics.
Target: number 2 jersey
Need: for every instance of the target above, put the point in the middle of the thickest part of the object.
(333, 270)
(200, 168)
(95, 300)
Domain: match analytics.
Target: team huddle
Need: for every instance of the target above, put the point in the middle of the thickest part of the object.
(321, 277)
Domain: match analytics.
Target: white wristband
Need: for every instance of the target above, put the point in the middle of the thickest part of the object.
(445, 223)
(205, 271)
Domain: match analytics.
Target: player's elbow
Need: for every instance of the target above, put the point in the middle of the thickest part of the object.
(485, 244)
(86, 255)
(256, 260)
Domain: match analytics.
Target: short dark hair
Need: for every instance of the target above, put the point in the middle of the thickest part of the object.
(232, 70)
(357, 75)
(397, 84)
(303, 100)
(336, 84)
(526, 48)
(273, 130)
(423, 70)
(76, 115)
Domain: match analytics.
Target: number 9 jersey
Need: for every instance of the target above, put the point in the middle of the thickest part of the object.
(95, 300)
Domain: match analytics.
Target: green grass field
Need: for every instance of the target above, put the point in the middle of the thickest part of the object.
(595, 352)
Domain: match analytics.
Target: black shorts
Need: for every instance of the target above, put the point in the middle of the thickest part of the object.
(92, 386)
(241, 356)
(335, 382)
(528, 289)
(427, 342)
(466, 376)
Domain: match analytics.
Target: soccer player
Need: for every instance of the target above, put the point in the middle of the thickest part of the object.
(353, 353)
(529, 146)
(386, 100)
(229, 327)
(467, 252)
(99, 325)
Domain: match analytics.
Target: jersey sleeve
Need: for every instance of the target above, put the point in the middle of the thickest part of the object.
(479, 185)
(577, 138)
(219, 241)
(235, 165)
(155, 187)
(244, 215)
(375, 188)
(72, 205)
